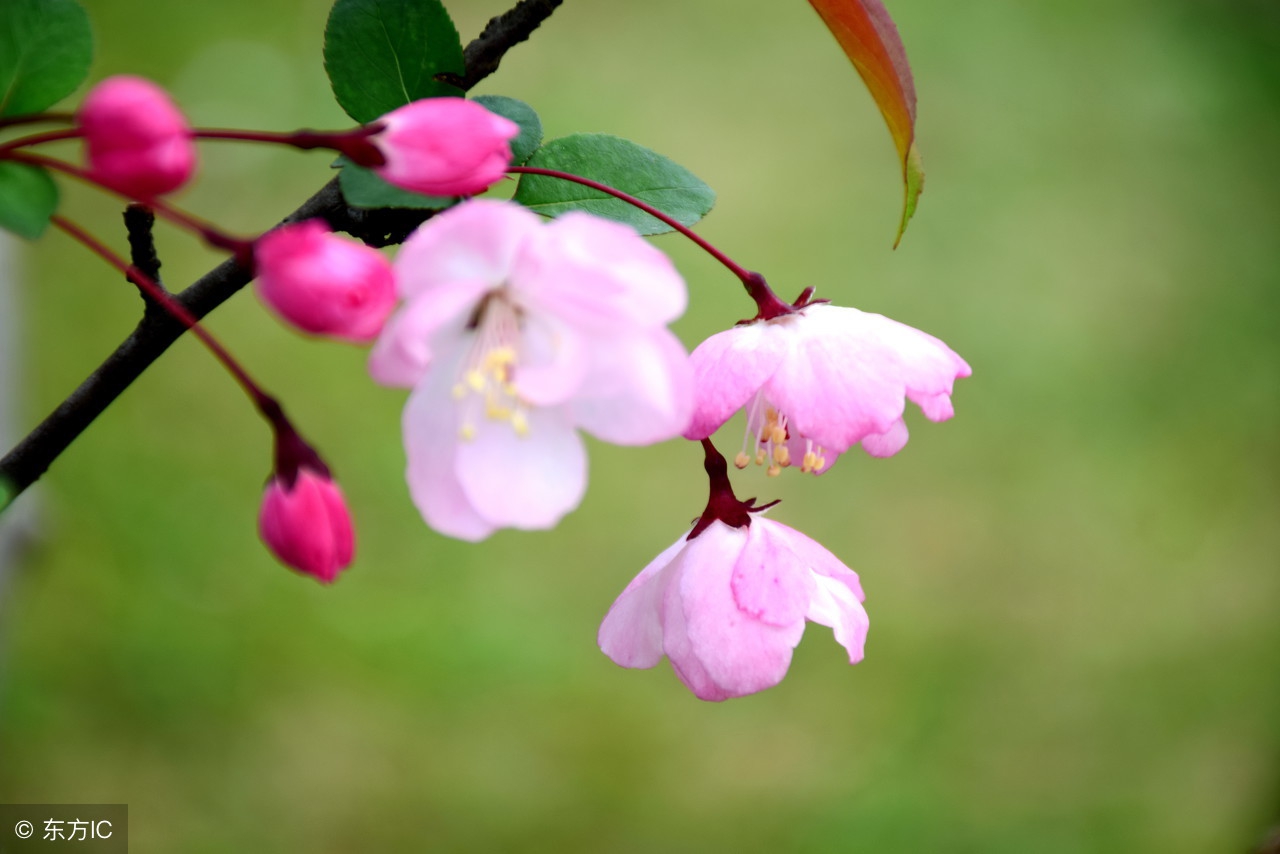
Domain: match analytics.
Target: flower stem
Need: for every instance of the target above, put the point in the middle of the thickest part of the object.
(264, 402)
(37, 118)
(241, 249)
(39, 138)
(354, 144)
(768, 303)
(722, 504)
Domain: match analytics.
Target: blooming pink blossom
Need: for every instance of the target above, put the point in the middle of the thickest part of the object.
(729, 605)
(306, 524)
(513, 335)
(136, 140)
(444, 147)
(818, 381)
(324, 284)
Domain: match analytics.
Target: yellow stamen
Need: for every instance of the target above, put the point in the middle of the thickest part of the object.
(782, 455)
(742, 460)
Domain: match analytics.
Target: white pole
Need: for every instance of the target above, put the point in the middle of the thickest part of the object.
(15, 523)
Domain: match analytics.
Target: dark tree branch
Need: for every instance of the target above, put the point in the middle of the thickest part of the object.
(23, 465)
(498, 36)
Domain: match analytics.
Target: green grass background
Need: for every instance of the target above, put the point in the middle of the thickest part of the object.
(1073, 585)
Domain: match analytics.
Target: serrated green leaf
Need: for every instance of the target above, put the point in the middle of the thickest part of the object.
(382, 54)
(362, 188)
(28, 197)
(522, 114)
(621, 164)
(45, 51)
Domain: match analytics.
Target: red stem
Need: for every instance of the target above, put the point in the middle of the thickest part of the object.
(242, 249)
(265, 403)
(354, 144)
(734, 267)
(768, 303)
(36, 118)
(38, 138)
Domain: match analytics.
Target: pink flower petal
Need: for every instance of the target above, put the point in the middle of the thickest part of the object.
(403, 351)
(553, 361)
(888, 443)
(812, 555)
(598, 275)
(431, 440)
(739, 653)
(768, 582)
(528, 481)
(631, 633)
(639, 390)
(835, 388)
(474, 241)
(729, 368)
(834, 605)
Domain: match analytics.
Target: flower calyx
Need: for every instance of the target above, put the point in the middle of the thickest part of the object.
(722, 504)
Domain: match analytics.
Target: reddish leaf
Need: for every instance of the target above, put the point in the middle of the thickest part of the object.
(870, 40)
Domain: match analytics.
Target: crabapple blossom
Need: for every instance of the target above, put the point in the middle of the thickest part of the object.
(819, 380)
(136, 140)
(444, 147)
(728, 602)
(324, 284)
(513, 335)
(306, 525)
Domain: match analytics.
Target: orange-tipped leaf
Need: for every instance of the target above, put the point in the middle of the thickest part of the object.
(870, 40)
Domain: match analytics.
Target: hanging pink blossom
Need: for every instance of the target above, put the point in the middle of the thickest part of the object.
(306, 524)
(818, 381)
(324, 284)
(136, 140)
(513, 335)
(444, 147)
(728, 606)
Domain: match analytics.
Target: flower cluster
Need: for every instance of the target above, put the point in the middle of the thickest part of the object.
(515, 335)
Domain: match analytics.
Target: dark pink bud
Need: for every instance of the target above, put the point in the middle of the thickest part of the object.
(136, 140)
(307, 525)
(444, 147)
(324, 284)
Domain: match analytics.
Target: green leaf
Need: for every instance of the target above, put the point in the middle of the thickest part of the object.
(28, 197)
(362, 188)
(621, 164)
(522, 114)
(7, 494)
(382, 54)
(45, 51)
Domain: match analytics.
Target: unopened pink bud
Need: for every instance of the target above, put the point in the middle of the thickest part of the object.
(444, 147)
(307, 525)
(324, 284)
(136, 140)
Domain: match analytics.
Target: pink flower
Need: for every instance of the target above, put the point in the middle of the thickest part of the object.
(324, 284)
(444, 147)
(136, 140)
(819, 381)
(729, 605)
(513, 335)
(306, 524)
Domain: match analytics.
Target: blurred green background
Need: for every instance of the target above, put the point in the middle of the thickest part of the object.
(1073, 585)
